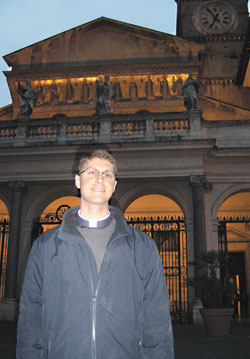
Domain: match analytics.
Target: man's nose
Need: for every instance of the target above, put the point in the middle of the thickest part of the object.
(100, 177)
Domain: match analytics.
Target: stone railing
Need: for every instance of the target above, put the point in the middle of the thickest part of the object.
(100, 129)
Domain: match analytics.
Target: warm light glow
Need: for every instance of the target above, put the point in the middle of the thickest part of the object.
(50, 210)
(3, 211)
(153, 206)
(247, 76)
(238, 234)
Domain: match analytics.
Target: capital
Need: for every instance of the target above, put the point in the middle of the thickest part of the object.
(200, 181)
(17, 186)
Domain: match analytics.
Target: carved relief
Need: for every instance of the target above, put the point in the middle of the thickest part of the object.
(142, 89)
(39, 91)
(133, 90)
(164, 88)
(125, 89)
(149, 89)
(177, 86)
(62, 93)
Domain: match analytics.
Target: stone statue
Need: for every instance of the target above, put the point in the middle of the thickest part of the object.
(190, 91)
(133, 90)
(149, 89)
(103, 97)
(164, 88)
(28, 100)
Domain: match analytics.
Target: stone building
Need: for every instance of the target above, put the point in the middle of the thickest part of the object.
(177, 121)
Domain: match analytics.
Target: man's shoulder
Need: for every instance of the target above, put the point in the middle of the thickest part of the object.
(46, 237)
(142, 238)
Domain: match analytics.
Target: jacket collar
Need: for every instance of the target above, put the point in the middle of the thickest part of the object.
(68, 228)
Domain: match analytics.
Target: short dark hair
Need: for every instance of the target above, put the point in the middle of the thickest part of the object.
(102, 154)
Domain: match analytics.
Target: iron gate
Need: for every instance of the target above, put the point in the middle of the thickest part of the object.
(170, 238)
(235, 270)
(4, 238)
(222, 230)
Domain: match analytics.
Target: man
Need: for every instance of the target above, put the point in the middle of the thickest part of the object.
(94, 287)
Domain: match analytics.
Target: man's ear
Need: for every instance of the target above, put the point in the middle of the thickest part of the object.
(77, 181)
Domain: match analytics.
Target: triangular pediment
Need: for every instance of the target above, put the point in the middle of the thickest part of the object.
(104, 40)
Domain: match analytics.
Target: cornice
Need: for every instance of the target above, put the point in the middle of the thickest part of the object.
(216, 38)
(111, 69)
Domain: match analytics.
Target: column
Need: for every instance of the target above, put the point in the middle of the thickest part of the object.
(198, 183)
(9, 306)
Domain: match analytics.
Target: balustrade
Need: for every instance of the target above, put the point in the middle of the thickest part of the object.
(128, 127)
(43, 131)
(170, 126)
(83, 129)
(116, 128)
(7, 132)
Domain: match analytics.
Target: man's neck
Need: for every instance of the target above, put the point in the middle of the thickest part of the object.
(94, 212)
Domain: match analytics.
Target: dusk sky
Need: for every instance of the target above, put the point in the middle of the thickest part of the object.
(25, 22)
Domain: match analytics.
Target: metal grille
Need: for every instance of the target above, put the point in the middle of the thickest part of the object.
(170, 238)
(223, 228)
(4, 238)
(222, 232)
(234, 271)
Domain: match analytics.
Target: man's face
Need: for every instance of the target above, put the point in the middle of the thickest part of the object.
(95, 188)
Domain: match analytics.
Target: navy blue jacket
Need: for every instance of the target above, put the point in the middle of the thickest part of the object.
(68, 311)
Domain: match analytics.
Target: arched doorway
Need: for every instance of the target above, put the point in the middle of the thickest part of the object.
(52, 214)
(163, 220)
(234, 239)
(4, 238)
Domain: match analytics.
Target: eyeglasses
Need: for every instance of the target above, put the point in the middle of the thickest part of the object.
(92, 172)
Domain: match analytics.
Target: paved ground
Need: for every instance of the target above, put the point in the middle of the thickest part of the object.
(191, 342)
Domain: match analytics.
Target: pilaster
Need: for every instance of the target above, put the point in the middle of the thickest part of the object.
(9, 306)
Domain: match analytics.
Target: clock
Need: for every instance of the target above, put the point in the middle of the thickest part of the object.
(215, 17)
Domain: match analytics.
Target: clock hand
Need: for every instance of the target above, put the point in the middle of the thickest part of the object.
(215, 17)
(210, 12)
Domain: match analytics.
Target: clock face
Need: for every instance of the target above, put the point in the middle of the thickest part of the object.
(215, 17)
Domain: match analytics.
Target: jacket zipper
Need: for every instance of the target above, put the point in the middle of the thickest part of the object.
(94, 298)
(93, 327)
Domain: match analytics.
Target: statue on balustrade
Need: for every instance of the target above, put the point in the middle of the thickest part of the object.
(190, 91)
(103, 97)
(28, 100)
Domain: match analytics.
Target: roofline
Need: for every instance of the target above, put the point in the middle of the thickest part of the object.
(103, 19)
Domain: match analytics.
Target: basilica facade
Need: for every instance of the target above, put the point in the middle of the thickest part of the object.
(173, 110)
